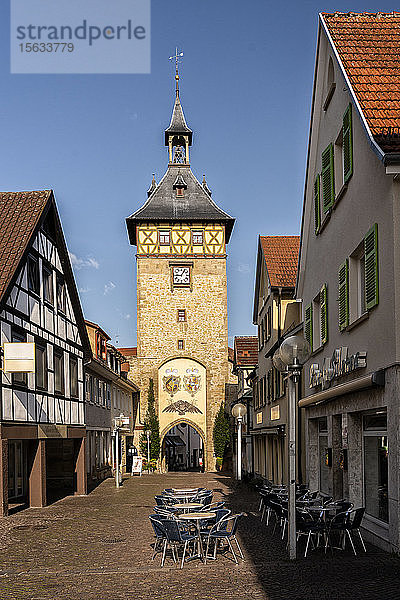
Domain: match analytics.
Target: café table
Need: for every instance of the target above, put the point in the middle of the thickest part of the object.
(187, 506)
(196, 518)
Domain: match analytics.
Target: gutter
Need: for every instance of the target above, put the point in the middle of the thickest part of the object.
(374, 379)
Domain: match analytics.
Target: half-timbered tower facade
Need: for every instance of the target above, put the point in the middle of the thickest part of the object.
(42, 425)
(182, 334)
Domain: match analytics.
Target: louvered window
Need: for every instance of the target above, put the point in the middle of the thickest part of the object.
(317, 204)
(328, 178)
(371, 267)
(347, 145)
(323, 303)
(344, 295)
(308, 324)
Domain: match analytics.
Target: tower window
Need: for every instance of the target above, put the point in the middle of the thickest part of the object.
(197, 238)
(181, 316)
(179, 192)
(181, 345)
(164, 237)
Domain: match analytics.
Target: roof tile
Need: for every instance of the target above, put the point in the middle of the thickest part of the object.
(281, 254)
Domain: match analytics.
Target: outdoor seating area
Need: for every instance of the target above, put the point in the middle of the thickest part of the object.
(322, 522)
(188, 525)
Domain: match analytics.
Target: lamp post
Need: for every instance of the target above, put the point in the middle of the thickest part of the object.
(290, 357)
(239, 411)
(148, 434)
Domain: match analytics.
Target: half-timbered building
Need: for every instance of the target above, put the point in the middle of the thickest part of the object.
(42, 420)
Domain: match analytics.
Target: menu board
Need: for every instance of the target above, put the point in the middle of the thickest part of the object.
(137, 464)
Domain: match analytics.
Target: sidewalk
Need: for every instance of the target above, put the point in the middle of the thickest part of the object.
(98, 548)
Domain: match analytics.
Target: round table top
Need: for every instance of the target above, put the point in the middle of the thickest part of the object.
(187, 505)
(320, 508)
(199, 515)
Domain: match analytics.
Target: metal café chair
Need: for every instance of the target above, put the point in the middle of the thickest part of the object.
(225, 530)
(173, 537)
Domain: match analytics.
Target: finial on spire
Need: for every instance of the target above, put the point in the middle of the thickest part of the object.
(176, 57)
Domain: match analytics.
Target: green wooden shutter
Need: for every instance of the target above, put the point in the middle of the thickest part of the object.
(308, 330)
(347, 145)
(323, 300)
(317, 204)
(371, 267)
(328, 178)
(344, 295)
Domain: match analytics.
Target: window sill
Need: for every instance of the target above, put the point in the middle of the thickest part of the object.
(354, 324)
(339, 195)
(49, 305)
(329, 97)
(317, 351)
(328, 214)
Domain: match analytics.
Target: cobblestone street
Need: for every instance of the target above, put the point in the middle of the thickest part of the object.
(98, 548)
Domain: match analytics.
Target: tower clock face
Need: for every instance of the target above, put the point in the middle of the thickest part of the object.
(181, 275)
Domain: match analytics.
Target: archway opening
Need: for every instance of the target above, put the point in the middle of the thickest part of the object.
(183, 449)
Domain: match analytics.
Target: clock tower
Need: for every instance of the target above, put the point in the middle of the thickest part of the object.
(182, 324)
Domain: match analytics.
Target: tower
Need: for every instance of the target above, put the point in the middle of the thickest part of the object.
(182, 325)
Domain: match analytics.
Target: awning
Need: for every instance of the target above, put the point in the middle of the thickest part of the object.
(268, 430)
(373, 379)
(174, 440)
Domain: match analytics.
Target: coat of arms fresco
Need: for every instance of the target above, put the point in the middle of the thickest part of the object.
(172, 382)
(191, 383)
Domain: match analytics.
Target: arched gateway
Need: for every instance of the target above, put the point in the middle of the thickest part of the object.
(182, 411)
(182, 323)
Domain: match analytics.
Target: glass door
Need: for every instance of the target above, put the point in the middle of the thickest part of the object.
(16, 470)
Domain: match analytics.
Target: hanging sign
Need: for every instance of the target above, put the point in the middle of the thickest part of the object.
(19, 357)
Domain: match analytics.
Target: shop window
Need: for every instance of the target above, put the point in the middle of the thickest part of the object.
(59, 371)
(324, 468)
(376, 466)
(48, 292)
(73, 377)
(33, 275)
(41, 366)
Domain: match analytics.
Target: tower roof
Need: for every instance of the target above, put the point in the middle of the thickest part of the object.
(178, 123)
(163, 205)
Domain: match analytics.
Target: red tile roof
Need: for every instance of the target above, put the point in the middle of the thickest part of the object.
(231, 354)
(368, 45)
(19, 215)
(281, 253)
(246, 351)
(128, 351)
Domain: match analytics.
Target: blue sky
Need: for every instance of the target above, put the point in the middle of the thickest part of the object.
(246, 83)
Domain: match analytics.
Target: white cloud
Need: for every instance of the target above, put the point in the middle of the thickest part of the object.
(243, 268)
(84, 290)
(81, 263)
(109, 287)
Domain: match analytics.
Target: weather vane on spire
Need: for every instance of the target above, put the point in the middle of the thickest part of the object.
(177, 57)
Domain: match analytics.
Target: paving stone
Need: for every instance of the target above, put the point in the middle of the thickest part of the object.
(98, 547)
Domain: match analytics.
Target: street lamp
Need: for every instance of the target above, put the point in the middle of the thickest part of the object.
(148, 434)
(290, 357)
(239, 411)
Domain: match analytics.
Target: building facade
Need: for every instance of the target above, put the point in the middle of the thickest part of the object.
(275, 313)
(182, 333)
(349, 270)
(42, 427)
(245, 358)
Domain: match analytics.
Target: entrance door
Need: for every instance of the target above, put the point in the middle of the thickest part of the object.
(16, 470)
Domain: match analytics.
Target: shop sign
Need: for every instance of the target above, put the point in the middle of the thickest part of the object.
(275, 413)
(339, 365)
(259, 418)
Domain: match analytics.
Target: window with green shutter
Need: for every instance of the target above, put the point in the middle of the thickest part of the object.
(347, 145)
(323, 299)
(317, 205)
(344, 295)
(371, 267)
(328, 178)
(308, 325)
